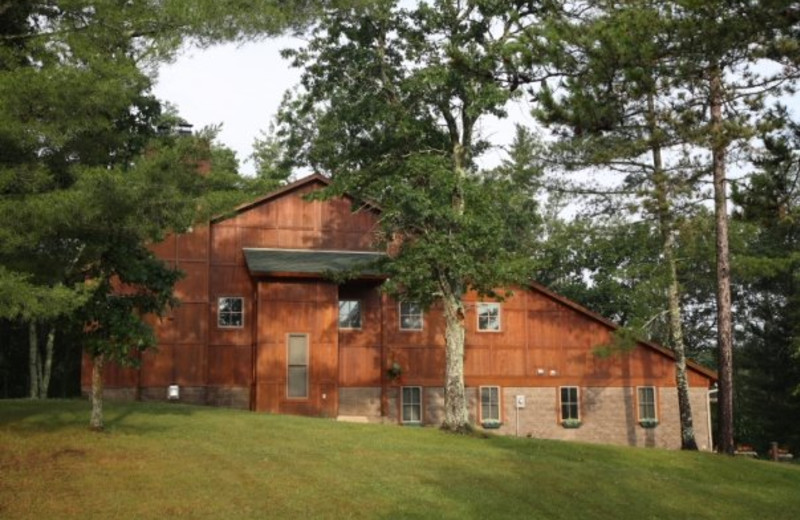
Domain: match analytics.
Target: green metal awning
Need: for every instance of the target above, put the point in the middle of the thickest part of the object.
(309, 261)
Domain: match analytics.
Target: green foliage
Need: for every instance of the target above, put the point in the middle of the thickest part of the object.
(389, 107)
(768, 268)
(91, 166)
(273, 166)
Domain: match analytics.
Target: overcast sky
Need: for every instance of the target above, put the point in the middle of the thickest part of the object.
(241, 87)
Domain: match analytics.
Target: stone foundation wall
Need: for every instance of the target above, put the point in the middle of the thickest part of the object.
(360, 402)
(114, 394)
(187, 394)
(229, 397)
(608, 414)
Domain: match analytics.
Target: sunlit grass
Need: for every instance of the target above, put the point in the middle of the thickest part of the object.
(175, 461)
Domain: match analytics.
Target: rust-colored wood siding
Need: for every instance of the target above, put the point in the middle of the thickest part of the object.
(541, 343)
(192, 349)
(306, 307)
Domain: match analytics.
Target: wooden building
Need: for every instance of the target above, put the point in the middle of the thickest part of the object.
(262, 326)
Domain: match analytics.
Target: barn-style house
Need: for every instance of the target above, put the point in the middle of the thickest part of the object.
(263, 326)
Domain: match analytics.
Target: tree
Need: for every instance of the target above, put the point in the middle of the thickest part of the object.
(685, 73)
(731, 56)
(86, 179)
(391, 104)
(768, 371)
(613, 109)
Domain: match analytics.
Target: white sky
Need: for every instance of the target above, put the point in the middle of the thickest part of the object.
(241, 86)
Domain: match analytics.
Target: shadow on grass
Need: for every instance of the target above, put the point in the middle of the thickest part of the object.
(56, 414)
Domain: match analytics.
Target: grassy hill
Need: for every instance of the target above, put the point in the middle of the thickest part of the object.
(175, 461)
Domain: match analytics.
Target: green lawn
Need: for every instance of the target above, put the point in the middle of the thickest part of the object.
(174, 461)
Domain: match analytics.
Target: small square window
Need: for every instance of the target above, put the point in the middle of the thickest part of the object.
(412, 404)
(490, 403)
(230, 312)
(646, 396)
(569, 403)
(349, 314)
(410, 316)
(489, 316)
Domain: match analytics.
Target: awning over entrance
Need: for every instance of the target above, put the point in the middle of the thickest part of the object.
(304, 262)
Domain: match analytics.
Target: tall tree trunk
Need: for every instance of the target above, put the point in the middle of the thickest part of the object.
(47, 368)
(688, 441)
(33, 359)
(456, 417)
(96, 420)
(667, 225)
(724, 326)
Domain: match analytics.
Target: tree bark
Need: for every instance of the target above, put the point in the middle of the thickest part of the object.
(33, 360)
(667, 228)
(688, 441)
(47, 368)
(456, 417)
(724, 325)
(96, 420)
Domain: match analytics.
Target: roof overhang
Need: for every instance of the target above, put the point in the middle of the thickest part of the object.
(311, 263)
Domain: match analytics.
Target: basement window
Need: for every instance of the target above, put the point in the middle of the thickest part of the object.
(230, 312)
(646, 397)
(570, 409)
(412, 404)
(490, 403)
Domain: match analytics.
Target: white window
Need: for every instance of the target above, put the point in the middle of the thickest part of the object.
(489, 316)
(410, 316)
(230, 312)
(412, 404)
(490, 403)
(297, 366)
(646, 396)
(570, 408)
(349, 314)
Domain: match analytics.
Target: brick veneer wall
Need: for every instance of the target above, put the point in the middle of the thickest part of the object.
(608, 414)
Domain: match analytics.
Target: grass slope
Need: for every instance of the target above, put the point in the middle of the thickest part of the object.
(165, 460)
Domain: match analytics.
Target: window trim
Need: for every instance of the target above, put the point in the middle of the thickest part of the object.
(499, 307)
(400, 315)
(403, 405)
(220, 313)
(561, 403)
(360, 315)
(499, 403)
(639, 403)
(307, 395)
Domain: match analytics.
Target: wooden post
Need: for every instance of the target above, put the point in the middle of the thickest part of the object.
(773, 451)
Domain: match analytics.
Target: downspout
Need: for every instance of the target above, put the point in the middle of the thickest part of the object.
(708, 417)
(384, 396)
